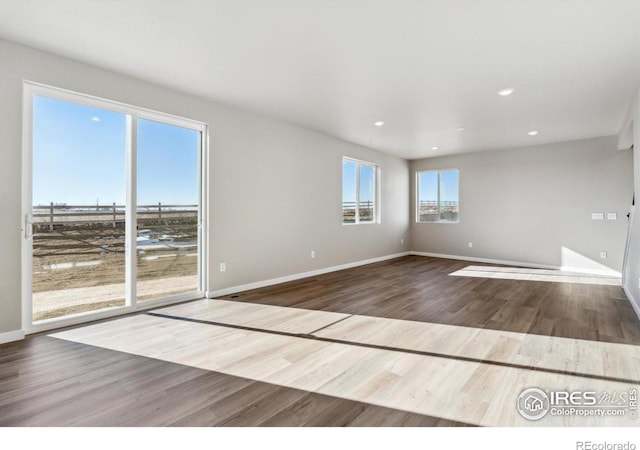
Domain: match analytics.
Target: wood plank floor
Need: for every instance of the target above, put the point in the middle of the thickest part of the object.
(462, 374)
(51, 382)
(422, 289)
(341, 349)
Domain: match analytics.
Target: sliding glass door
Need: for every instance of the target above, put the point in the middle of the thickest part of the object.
(112, 207)
(78, 208)
(168, 214)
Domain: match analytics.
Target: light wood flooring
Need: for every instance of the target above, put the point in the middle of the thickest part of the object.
(51, 382)
(386, 344)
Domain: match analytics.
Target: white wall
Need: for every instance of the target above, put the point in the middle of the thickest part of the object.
(545, 193)
(631, 275)
(285, 167)
(534, 205)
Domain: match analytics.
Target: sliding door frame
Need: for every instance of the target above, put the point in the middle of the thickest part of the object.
(132, 114)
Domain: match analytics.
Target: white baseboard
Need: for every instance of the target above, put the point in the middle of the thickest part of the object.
(632, 300)
(608, 273)
(486, 260)
(611, 272)
(297, 276)
(11, 336)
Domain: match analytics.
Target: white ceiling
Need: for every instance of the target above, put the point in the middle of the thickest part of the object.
(424, 67)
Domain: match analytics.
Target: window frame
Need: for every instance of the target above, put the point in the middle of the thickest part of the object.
(376, 189)
(417, 192)
(30, 90)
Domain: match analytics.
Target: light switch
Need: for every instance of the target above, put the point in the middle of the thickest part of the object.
(597, 216)
(612, 216)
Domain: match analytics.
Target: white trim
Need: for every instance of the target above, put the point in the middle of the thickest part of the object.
(417, 193)
(67, 95)
(11, 336)
(634, 304)
(26, 238)
(132, 114)
(204, 209)
(486, 260)
(297, 276)
(611, 273)
(377, 191)
(272, 281)
(90, 316)
(131, 211)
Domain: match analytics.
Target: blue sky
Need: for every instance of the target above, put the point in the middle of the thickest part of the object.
(79, 157)
(367, 176)
(167, 164)
(448, 186)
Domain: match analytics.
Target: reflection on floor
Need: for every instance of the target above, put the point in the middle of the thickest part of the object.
(552, 276)
(420, 288)
(51, 382)
(463, 374)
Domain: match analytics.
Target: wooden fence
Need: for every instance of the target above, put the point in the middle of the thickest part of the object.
(349, 211)
(450, 205)
(54, 215)
(429, 211)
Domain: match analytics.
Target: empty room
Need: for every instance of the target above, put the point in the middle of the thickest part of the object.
(320, 214)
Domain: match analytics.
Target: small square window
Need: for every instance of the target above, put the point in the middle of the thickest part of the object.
(438, 196)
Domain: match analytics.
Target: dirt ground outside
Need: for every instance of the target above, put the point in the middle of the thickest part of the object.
(83, 269)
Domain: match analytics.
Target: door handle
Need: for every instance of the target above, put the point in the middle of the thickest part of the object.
(28, 226)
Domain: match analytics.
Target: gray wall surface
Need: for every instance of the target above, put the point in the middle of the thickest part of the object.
(252, 158)
(631, 275)
(534, 205)
(530, 205)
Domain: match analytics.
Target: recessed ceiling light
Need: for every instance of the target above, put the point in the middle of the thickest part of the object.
(532, 132)
(506, 91)
(95, 119)
(378, 123)
(460, 129)
(434, 148)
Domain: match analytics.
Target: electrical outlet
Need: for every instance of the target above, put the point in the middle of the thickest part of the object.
(313, 253)
(223, 267)
(470, 244)
(401, 241)
(597, 216)
(612, 216)
(603, 255)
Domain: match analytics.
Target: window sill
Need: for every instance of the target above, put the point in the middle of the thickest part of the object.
(360, 223)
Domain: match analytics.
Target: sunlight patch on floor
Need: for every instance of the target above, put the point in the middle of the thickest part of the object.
(552, 276)
(464, 374)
